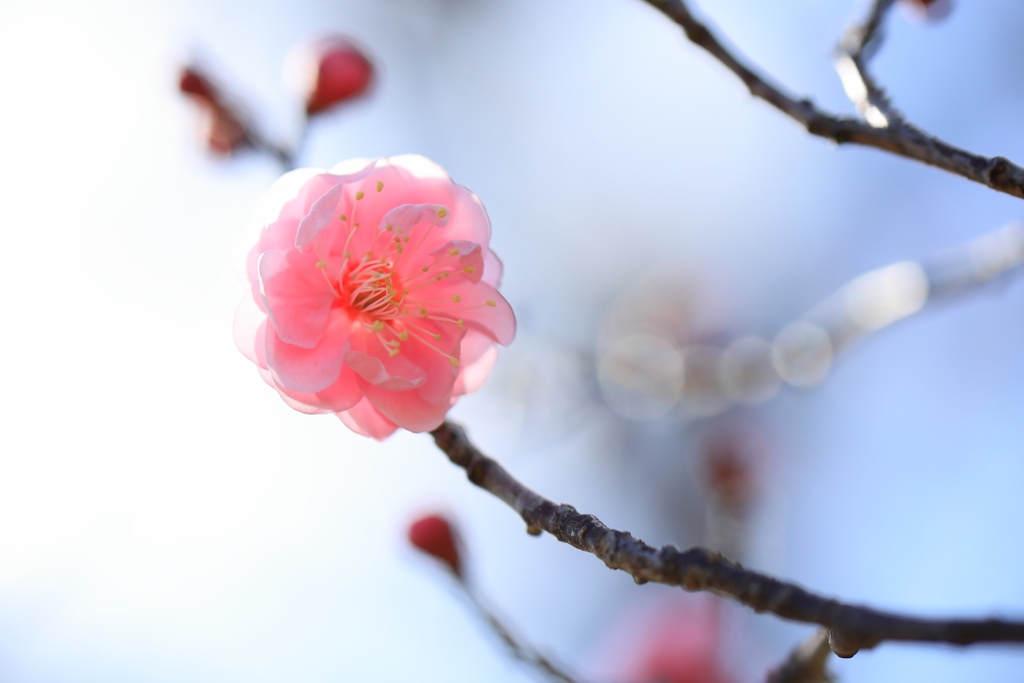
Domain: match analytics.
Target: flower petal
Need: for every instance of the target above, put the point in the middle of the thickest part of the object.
(363, 418)
(320, 216)
(402, 376)
(479, 354)
(338, 397)
(465, 259)
(248, 320)
(480, 305)
(407, 409)
(310, 370)
(297, 296)
(431, 348)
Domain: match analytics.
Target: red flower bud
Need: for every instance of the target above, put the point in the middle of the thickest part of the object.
(928, 10)
(434, 536)
(328, 72)
(733, 461)
(193, 82)
(222, 132)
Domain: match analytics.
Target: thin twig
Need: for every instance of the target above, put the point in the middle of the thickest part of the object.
(519, 650)
(859, 44)
(998, 173)
(806, 662)
(851, 627)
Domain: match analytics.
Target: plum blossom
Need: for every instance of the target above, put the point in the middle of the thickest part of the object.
(373, 294)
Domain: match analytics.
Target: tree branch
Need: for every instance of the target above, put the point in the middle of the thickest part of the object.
(806, 663)
(851, 627)
(858, 45)
(520, 650)
(998, 173)
(752, 369)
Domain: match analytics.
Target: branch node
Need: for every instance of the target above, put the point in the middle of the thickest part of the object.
(840, 647)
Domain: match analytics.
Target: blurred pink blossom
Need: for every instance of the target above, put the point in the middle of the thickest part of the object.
(373, 294)
(675, 640)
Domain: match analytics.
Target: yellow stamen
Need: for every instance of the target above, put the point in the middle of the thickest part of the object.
(359, 195)
(380, 186)
(491, 303)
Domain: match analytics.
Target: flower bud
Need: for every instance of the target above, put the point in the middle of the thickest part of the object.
(222, 132)
(927, 10)
(328, 72)
(194, 83)
(732, 463)
(434, 536)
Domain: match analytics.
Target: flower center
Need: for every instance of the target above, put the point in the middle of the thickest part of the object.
(372, 291)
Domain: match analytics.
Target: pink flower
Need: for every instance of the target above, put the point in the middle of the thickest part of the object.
(374, 294)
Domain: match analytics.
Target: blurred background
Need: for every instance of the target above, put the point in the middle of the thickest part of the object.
(165, 517)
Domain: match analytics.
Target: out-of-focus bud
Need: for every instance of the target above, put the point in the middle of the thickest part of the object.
(434, 535)
(927, 10)
(731, 465)
(194, 83)
(222, 127)
(327, 72)
(222, 132)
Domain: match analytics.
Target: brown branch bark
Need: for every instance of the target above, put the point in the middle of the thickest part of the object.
(520, 650)
(851, 627)
(998, 173)
(857, 46)
(806, 663)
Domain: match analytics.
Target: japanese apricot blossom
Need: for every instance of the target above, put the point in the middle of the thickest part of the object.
(373, 294)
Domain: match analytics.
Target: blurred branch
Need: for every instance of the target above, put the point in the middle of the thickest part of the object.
(521, 651)
(230, 126)
(882, 297)
(851, 627)
(806, 663)
(998, 173)
(259, 142)
(751, 369)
